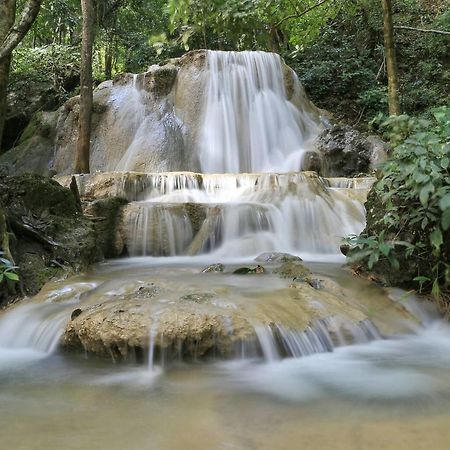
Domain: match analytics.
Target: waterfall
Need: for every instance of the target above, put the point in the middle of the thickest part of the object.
(249, 198)
(241, 214)
(249, 125)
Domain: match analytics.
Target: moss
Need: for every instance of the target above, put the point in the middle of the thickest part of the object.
(33, 128)
(36, 193)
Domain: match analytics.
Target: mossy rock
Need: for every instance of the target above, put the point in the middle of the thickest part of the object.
(31, 192)
(249, 270)
(49, 236)
(293, 270)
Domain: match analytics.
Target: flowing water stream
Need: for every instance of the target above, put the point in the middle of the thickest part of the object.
(337, 363)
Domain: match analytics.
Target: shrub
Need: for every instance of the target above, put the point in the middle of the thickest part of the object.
(7, 270)
(407, 236)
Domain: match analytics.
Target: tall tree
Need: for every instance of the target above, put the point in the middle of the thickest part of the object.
(11, 35)
(391, 59)
(85, 116)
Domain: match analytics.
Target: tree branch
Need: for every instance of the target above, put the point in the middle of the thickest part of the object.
(18, 32)
(421, 30)
(302, 13)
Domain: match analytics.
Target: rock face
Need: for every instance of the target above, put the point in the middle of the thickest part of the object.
(48, 234)
(345, 152)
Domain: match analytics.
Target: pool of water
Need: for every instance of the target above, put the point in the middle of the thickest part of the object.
(391, 393)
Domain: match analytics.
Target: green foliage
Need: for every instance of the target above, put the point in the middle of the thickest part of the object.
(249, 24)
(409, 222)
(52, 68)
(7, 270)
(343, 67)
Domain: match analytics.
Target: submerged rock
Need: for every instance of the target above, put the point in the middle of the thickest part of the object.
(123, 316)
(214, 268)
(276, 257)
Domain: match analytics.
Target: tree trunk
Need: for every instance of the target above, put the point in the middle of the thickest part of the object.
(391, 59)
(7, 16)
(15, 34)
(109, 55)
(85, 118)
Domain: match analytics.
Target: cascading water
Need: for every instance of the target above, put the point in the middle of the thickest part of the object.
(249, 124)
(250, 198)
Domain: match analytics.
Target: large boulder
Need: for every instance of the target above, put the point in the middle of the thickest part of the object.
(194, 317)
(346, 152)
(48, 235)
(34, 150)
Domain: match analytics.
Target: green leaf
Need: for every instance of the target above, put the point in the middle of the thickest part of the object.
(444, 202)
(393, 261)
(445, 221)
(436, 238)
(425, 193)
(445, 162)
(12, 276)
(385, 248)
(421, 279)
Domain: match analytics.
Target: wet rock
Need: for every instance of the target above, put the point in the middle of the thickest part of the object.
(75, 313)
(276, 257)
(347, 152)
(344, 248)
(294, 270)
(312, 161)
(106, 216)
(183, 329)
(171, 97)
(214, 268)
(159, 80)
(316, 283)
(147, 291)
(249, 270)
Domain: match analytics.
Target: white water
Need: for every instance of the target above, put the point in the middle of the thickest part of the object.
(245, 214)
(249, 125)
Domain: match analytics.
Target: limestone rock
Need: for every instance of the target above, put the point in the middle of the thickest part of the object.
(34, 150)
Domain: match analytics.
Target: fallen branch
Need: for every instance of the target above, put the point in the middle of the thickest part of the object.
(422, 30)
